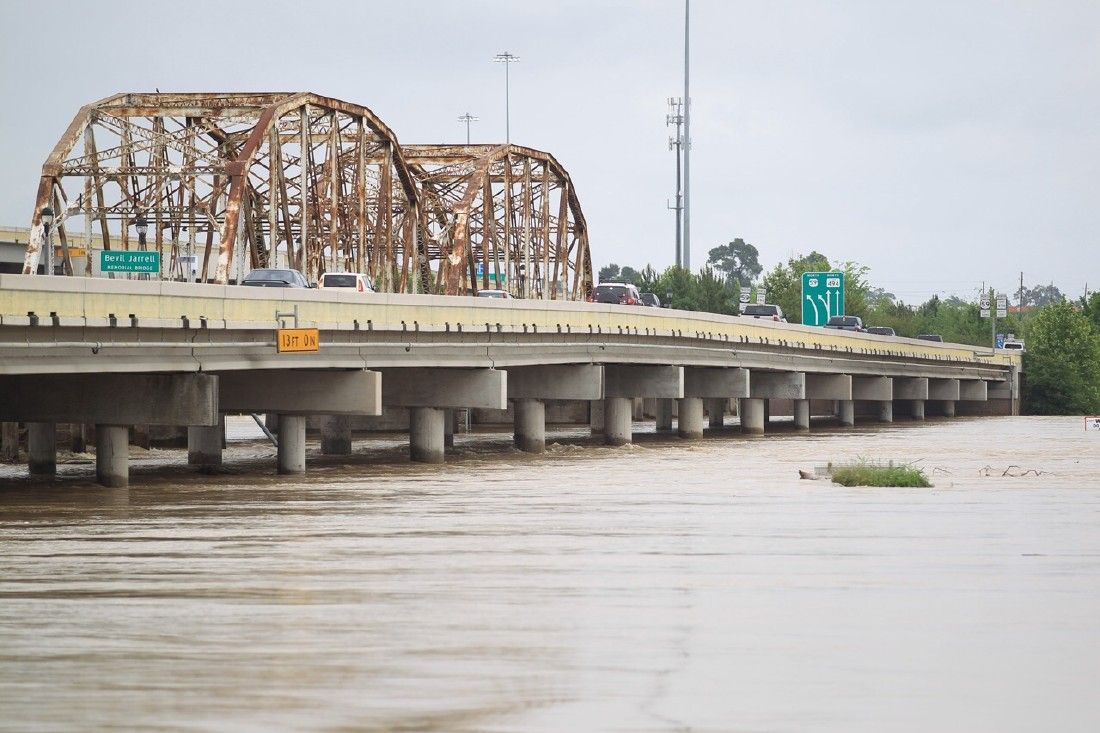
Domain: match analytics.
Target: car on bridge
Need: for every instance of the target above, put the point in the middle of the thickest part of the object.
(266, 277)
(763, 310)
(930, 337)
(494, 294)
(845, 323)
(881, 330)
(616, 293)
(361, 283)
(651, 300)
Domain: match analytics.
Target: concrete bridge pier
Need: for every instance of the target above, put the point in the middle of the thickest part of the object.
(886, 411)
(204, 445)
(664, 415)
(9, 442)
(716, 412)
(949, 408)
(846, 410)
(449, 428)
(596, 417)
(689, 421)
(916, 410)
(618, 415)
(802, 414)
(336, 435)
(42, 448)
(426, 441)
(751, 410)
(291, 454)
(530, 425)
(112, 456)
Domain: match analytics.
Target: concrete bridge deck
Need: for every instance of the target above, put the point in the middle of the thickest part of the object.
(115, 353)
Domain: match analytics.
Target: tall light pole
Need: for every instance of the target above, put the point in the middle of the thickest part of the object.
(507, 59)
(687, 140)
(467, 118)
(675, 117)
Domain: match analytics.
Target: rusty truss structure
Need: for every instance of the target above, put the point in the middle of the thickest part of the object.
(225, 183)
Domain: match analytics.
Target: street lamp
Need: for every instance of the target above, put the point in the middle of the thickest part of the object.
(142, 227)
(507, 59)
(522, 269)
(47, 222)
(467, 118)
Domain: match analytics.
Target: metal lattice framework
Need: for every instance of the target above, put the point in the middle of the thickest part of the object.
(506, 217)
(232, 182)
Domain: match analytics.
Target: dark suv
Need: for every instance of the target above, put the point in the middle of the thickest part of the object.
(881, 330)
(845, 323)
(651, 300)
(763, 310)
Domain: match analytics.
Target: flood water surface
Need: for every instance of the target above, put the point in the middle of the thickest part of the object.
(665, 586)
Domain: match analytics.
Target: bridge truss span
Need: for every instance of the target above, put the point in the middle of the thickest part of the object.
(230, 182)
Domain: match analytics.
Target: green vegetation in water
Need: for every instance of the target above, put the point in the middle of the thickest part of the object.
(866, 473)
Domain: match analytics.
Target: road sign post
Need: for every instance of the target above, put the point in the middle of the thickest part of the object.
(743, 300)
(822, 297)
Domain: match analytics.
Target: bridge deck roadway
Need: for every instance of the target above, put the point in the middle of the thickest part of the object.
(73, 324)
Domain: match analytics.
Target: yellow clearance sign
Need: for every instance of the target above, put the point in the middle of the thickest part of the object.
(298, 339)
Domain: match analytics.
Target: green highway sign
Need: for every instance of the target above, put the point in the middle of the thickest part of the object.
(822, 297)
(116, 261)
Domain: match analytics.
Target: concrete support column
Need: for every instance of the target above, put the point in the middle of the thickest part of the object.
(426, 434)
(271, 422)
(9, 442)
(204, 445)
(336, 435)
(448, 428)
(918, 410)
(596, 416)
(292, 444)
(618, 412)
(767, 412)
(690, 417)
(751, 410)
(530, 425)
(886, 411)
(949, 408)
(78, 443)
(802, 414)
(846, 409)
(716, 410)
(42, 448)
(112, 455)
(664, 414)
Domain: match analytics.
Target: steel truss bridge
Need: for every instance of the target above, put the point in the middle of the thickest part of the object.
(236, 181)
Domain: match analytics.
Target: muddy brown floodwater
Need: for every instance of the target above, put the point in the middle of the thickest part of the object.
(666, 586)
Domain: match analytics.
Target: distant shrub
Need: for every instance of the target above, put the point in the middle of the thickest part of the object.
(866, 473)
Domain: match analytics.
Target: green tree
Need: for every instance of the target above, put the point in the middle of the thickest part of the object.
(1092, 310)
(608, 274)
(784, 283)
(1062, 363)
(738, 262)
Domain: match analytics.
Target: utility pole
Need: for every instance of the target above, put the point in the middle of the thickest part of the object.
(1020, 302)
(687, 138)
(467, 118)
(676, 143)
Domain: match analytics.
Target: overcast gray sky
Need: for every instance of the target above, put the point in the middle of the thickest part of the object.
(939, 143)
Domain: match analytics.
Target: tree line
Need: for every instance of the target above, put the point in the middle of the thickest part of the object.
(1061, 363)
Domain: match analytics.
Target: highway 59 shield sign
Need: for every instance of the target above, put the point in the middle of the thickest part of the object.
(822, 297)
